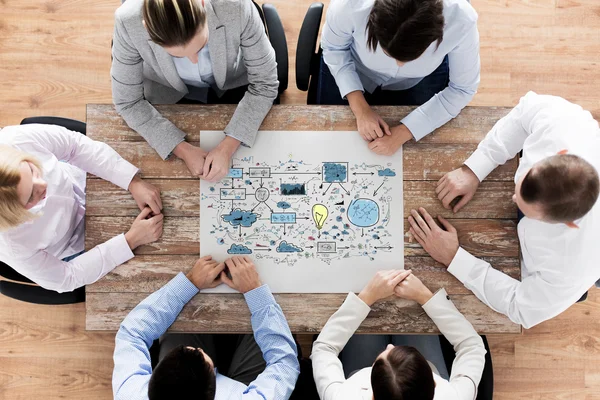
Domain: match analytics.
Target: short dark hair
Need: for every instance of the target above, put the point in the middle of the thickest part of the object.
(183, 374)
(404, 374)
(564, 185)
(173, 22)
(405, 28)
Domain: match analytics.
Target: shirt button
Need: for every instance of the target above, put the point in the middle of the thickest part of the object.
(447, 297)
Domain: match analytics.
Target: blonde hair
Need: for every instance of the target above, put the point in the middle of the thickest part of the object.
(173, 22)
(12, 212)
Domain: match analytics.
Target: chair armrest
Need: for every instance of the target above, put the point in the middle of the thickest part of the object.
(278, 41)
(307, 44)
(70, 124)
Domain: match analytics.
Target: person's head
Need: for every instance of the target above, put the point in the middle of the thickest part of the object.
(402, 373)
(21, 187)
(405, 28)
(558, 189)
(185, 373)
(179, 26)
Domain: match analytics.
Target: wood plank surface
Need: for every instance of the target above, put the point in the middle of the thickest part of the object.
(218, 313)
(180, 199)
(469, 127)
(148, 273)
(181, 236)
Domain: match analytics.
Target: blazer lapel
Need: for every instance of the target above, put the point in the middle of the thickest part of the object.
(218, 46)
(167, 66)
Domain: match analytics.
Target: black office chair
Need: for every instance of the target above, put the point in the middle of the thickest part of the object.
(19, 287)
(485, 390)
(308, 57)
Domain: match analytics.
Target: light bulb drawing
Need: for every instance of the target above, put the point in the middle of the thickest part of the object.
(320, 213)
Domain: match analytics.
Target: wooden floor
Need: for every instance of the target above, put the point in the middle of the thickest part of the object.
(55, 58)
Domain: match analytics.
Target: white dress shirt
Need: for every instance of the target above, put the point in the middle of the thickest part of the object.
(35, 249)
(559, 263)
(328, 370)
(355, 67)
(198, 77)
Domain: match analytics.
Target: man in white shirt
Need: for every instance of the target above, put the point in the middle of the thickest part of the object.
(399, 52)
(556, 189)
(395, 371)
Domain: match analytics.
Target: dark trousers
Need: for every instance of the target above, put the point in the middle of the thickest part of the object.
(231, 96)
(235, 356)
(329, 93)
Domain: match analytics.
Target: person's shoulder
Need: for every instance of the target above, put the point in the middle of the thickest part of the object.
(129, 10)
(459, 12)
(19, 136)
(350, 8)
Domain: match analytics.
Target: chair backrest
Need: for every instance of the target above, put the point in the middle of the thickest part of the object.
(70, 124)
(306, 54)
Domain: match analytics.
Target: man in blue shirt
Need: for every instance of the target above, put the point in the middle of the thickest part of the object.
(186, 370)
(399, 52)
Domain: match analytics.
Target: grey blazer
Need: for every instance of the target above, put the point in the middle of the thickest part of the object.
(143, 73)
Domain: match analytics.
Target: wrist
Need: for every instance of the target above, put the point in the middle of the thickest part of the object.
(129, 237)
(424, 296)
(181, 149)
(136, 179)
(229, 145)
(357, 102)
(367, 298)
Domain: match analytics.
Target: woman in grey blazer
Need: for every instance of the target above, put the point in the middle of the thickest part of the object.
(169, 51)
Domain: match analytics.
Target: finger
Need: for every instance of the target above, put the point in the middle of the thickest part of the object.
(385, 126)
(442, 179)
(216, 282)
(216, 270)
(157, 218)
(430, 222)
(444, 192)
(373, 144)
(447, 199)
(247, 259)
(419, 239)
(464, 200)
(152, 203)
(144, 214)
(400, 277)
(230, 264)
(226, 280)
(236, 261)
(159, 200)
(378, 130)
(207, 163)
(414, 226)
(441, 186)
(206, 258)
(447, 225)
(420, 221)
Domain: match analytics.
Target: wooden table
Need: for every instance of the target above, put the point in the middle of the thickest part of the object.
(486, 226)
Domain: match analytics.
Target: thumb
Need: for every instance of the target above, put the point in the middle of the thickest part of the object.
(464, 200)
(447, 225)
(144, 214)
(386, 127)
(401, 276)
(226, 280)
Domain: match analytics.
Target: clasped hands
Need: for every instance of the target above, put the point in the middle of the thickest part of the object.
(238, 272)
(211, 166)
(396, 282)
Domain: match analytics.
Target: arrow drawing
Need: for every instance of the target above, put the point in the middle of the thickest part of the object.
(375, 192)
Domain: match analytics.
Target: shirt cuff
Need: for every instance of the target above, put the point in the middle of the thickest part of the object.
(480, 164)
(124, 173)
(360, 308)
(259, 298)
(119, 249)
(462, 264)
(234, 136)
(348, 82)
(418, 123)
(183, 287)
(439, 297)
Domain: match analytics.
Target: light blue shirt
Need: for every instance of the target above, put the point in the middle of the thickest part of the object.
(198, 77)
(355, 67)
(151, 318)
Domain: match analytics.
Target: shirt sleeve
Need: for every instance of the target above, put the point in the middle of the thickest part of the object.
(469, 362)
(464, 66)
(74, 148)
(273, 336)
(328, 370)
(144, 324)
(336, 40)
(52, 273)
(527, 302)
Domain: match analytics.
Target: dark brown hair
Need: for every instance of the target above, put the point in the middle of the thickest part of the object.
(405, 28)
(404, 374)
(183, 374)
(564, 185)
(173, 22)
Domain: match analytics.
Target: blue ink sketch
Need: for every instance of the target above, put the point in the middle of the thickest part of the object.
(238, 249)
(285, 247)
(240, 218)
(386, 172)
(293, 189)
(283, 204)
(335, 172)
(363, 213)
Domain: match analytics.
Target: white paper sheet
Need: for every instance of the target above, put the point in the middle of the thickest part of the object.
(318, 212)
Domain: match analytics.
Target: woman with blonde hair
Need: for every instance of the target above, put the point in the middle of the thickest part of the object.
(42, 206)
(198, 51)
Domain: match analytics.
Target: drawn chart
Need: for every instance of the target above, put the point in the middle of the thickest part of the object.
(316, 211)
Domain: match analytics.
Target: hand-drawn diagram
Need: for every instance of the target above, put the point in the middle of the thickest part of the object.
(291, 212)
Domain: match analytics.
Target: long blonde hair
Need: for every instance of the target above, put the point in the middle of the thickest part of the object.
(173, 22)
(12, 212)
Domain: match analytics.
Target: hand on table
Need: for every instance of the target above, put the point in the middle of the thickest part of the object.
(192, 156)
(460, 182)
(206, 273)
(389, 145)
(382, 285)
(411, 288)
(370, 125)
(244, 276)
(218, 160)
(441, 244)
(145, 229)
(145, 194)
